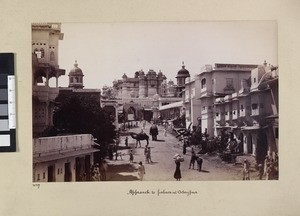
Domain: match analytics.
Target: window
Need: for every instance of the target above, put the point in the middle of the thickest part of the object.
(226, 113)
(229, 82)
(203, 83)
(37, 53)
(217, 114)
(52, 57)
(203, 108)
(254, 80)
(57, 171)
(44, 175)
(242, 107)
(254, 106)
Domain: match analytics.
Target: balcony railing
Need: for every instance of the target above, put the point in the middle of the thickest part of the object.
(45, 93)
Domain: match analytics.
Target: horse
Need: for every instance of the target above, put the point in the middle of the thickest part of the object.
(139, 137)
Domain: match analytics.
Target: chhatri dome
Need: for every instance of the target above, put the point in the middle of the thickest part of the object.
(76, 70)
(76, 77)
(183, 72)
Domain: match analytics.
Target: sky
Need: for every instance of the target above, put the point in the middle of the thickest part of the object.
(105, 51)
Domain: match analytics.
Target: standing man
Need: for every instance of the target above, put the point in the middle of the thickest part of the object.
(103, 170)
(246, 170)
(148, 155)
(141, 171)
(199, 163)
(131, 156)
(154, 132)
(193, 159)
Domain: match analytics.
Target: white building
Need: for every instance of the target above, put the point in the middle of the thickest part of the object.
(63, 158)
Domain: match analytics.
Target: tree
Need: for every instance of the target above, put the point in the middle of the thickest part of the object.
(108, 92)
(79, 115)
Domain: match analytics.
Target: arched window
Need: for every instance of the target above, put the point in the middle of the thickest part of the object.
(37, 53)
(203, 83)
(42, 52)
(76, 79)
(52, 56)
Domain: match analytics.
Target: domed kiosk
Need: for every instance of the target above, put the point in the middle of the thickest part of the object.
(76, 77)
(182, 74)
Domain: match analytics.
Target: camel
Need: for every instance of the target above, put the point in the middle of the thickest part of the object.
(139, 137)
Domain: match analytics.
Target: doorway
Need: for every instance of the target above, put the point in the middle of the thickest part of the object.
(249, 144)
(68, 173)
(51, 175)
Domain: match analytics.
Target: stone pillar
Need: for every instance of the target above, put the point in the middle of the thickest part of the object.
(254, 143)
(245, 143)
(46, 114)
(56, 80)
(47, 77)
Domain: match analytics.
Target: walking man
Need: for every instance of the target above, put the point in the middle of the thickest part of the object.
(193, 159)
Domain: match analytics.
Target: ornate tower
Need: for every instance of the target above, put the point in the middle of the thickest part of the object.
(76, 77)
(181, 76)
(124, 86)
(152, 83)
(160, 79)
(142, 85)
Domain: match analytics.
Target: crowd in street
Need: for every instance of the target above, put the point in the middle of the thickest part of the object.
(269, 169)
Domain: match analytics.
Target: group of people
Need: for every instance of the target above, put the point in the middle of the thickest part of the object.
(194, 158)
(99, 172)
(271, 167)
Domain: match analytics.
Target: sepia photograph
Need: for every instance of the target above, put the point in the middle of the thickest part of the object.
(155, 101)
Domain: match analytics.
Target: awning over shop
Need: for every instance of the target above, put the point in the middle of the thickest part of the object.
(58, 155)
(171, 105)
(250, 128)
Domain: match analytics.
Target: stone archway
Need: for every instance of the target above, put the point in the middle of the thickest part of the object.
(131, 114)
(111, 107)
